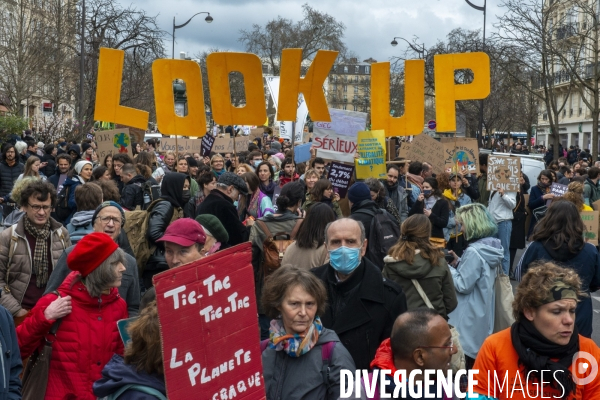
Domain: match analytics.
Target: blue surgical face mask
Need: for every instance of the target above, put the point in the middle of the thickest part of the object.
(345, 259)
(427, 192)
(256, 162)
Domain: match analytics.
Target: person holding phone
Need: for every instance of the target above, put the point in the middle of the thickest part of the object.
(434, 206)
(323, 192)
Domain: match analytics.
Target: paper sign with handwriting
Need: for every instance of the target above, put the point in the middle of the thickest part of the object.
(340, 176)
(558, 190)
(424, 148)
(591, 223)
(113, 142)
(461, 154)
(371, 147)
(207, 144)
(209, 330)
(182, 145)
(504, 173)
(225, 145)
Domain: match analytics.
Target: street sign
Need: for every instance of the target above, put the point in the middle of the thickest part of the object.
(431, 124)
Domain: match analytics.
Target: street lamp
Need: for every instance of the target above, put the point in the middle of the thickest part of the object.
(81, 67)
(419, 51)
(483, 9)
(208, 19)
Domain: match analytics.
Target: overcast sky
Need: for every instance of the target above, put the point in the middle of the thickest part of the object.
(370, 24)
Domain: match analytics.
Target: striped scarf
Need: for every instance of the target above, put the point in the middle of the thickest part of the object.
(40, 255)
(294, 344)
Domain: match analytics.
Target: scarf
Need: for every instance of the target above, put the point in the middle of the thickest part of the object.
(268, 189)
(535, 351)
(294, 344)
(253, 205)
(416, 179)
(219, 173)
(40, 256)
(449, 194)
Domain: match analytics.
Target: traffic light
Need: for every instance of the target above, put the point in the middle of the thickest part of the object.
(180, 96)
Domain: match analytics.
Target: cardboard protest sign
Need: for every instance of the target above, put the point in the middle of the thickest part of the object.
(113, 142)
(332, 146)
(302, 153)
(590, 220)
(225, 145)
(558, 190)
(340, 176)
(462, 153)
(206, 145)
(424, 148)
(181, 146)
(371, 147)
(503, 172)
(209, 329)
(256, 133)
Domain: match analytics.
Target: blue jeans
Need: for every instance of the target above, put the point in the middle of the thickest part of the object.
(504, 231)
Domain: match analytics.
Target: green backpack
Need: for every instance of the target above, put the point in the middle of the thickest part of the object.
(139, 388)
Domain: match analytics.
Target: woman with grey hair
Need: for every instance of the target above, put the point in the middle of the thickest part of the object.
(382, 201)
(79, 320)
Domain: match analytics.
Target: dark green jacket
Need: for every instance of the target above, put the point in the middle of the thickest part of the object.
(484, 194)
(436, 281)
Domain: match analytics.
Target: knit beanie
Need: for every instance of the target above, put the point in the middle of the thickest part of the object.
(109, 204)
(359, 192)
(80, 164)
(213, 227)
(90, 252)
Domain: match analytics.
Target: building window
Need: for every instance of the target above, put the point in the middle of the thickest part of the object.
(334, 87)
(356, 78)
(356, 69)
(355, 108)
(367, 70)
(345, 69)
(345, 99)
(345, 88)
(334, 78)
(355, 89)
(580, 110)
(344, 107)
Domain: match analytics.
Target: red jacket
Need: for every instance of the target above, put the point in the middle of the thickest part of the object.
(86, 339)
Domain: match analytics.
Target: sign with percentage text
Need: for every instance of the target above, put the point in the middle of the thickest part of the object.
(209, 328)
(503, 173)
(340, 176)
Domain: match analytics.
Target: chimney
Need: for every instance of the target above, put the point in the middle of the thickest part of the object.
(182, 55)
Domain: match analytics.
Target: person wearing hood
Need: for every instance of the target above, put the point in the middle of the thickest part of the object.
(132, 195)
(75, 153)
(81, 174)
(220, 203)
(559, 237)
(434, 206)
(474, 276)
(139, 375)
(359, 197)
(49, 157)
(87, 199)
(285, 220)
(175, 193)
(540, 194)
(415, 261)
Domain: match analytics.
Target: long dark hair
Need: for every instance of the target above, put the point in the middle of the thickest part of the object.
(316, 194)
(561, 224)
(270, 169)
(312, 229)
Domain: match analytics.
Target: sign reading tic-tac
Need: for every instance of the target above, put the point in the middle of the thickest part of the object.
(209, 329)
(504, 173)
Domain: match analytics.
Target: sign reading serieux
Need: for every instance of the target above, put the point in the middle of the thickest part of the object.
(209, 329)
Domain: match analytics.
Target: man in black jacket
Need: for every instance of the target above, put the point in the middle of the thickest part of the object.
(49, 158)
(220, 204)
(132, 194)
(359, 197)
(10, 169)
(63, 166)
(363, 305)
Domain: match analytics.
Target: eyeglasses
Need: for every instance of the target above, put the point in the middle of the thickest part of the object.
(107, 219)
(37, 207)
(450, 346)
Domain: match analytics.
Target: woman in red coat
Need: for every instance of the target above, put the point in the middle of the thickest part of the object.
(89, 307)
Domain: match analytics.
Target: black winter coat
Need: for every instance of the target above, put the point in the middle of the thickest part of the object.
(362, 309)
(132, 194)
(8, 176)
(440, 213)
(221, 206)
(158, 221)
(50, 168)
(367, 205)
(10, 386)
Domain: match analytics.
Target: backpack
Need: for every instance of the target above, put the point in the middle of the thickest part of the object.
(136, 227)
(274, 249)
(326, 353)
(140, 388)
(384, 233)
(62, 210)
(150, 192)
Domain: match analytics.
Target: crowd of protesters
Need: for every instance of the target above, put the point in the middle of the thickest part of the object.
(399, 274)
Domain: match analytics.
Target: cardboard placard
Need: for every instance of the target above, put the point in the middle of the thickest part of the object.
(595, 205)
(256, 133)
(371, 147)
(209, 330)
(461, 152)
(113, 142)
(182, 146)
(340, 176)
(558, 190)
(424, 148)
(206, 145)
(503, 172)
(590, 220)
(225, 145)
(332, 146)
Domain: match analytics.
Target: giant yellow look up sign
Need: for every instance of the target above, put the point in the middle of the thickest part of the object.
(219, 65)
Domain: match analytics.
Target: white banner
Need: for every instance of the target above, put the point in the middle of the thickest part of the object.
(285, 127)
(332, 146)
(347, 123)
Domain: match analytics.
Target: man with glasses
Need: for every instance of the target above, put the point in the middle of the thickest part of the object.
(29, 250)
(421, 341)
(108, 218)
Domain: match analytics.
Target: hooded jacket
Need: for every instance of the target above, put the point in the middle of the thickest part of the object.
(80, 225)
(70, 185)
(301, 377)
(221, 206)
(85, 341)
(586, 263)
(399, 197)
(436, 281)
(132, 194)
(474, 279)
(117, 374)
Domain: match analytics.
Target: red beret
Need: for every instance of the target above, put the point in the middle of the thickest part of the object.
(91, 251)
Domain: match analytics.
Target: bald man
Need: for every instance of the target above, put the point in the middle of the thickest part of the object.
(362, 304)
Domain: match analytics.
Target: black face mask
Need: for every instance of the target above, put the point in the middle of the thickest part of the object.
(186, 196)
